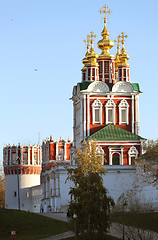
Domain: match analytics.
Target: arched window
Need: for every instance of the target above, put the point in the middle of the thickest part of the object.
(133, 154)
(101, 153)
(116, 158)
(110, 111)
(97, 112)
(123, 112)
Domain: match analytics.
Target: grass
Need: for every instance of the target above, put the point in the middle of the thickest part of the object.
(28, 226)
(148, 221)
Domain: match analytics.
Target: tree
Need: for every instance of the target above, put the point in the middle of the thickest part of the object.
(89, 200)
(2, 188)
(148, 163)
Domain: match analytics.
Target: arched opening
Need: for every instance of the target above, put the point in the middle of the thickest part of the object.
(116, 159)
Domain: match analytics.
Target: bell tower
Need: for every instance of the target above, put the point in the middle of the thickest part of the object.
(106, 103)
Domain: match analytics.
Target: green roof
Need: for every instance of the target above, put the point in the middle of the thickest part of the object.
(136, 87)
(112, 132)
(84, 85)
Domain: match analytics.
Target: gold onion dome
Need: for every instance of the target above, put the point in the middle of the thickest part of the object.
(92, 56)
(123, 56)
(105, 44)
(117, 57)
(85, 60)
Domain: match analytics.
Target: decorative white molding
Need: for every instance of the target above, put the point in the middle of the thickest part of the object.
(97, 105)
(123, 87)
(110, 105)
(88, 121)
(100, 152)
(98, 87)
(123, 106)
(132, 113)
(132, 153)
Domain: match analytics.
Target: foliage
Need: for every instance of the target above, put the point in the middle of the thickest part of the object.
(28, 226)
(2, 189)
(147, 164)
(89, 200)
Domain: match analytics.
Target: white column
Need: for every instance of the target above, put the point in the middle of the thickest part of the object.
(84, 110)
(121, 156)
(21, 162)
(74, 123)
(132, 113)
(57, 150)
(32, 155)
(28, 155)
(38, 154)
(88, 113)
(110, 157)
(65, 152)
(7, 157)
(10, 159)
(81, 120)
(137, 101)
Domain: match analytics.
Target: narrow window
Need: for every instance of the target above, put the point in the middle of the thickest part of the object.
(14, 194)
(96, 115)
(120, 73)
(100, 67)
(124, 73)
(106, 67)
(89, 72)
(93, 72)
(124, 114)
(83, 77)
(110, 115)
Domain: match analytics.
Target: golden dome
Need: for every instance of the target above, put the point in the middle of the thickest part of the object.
(123, 56)
(92, 56)
(85, 60)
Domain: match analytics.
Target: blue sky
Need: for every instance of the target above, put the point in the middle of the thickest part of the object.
(48, 35)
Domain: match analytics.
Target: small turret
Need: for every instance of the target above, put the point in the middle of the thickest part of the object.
(123, 66)
(92, 65)
(105, 59)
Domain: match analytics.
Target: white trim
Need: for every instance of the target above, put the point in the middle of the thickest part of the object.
(132, 113)
(81, 122)
(110, 105)
(88, 120)
(123, 106)
(133, 152)
(84, 128)
(57, 150)
(65, 152)
(96, 105)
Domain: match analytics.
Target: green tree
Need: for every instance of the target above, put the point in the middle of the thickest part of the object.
(89, 200)
(148, 162)
(2, 188)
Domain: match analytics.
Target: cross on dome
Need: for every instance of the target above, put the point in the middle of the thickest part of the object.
(106, 11)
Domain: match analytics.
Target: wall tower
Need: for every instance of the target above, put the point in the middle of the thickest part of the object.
(22, 168)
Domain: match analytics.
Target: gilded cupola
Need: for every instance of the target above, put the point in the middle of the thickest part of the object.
(117, 57)
(92, 56)
(123, 56)
(85, 60)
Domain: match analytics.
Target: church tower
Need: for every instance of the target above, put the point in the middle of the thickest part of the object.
(106, 103)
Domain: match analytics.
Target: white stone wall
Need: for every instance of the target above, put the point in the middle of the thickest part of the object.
(25, 182)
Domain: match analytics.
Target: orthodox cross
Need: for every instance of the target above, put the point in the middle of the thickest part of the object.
(118, 43)
(123, 40)
(106, 11)
(87, 42)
